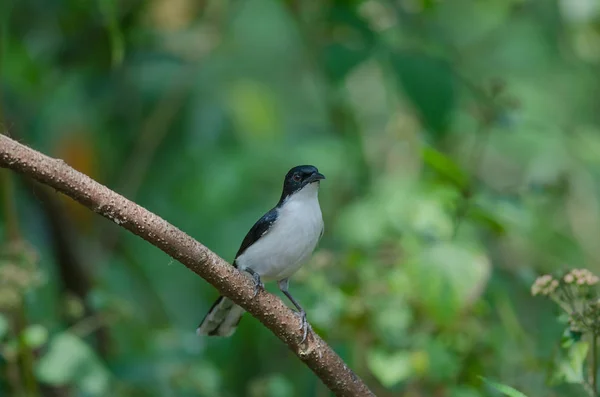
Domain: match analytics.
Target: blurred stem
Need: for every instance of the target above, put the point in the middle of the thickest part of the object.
(9, 206)
(588, 388)
(594, 366)
(13, 376)
(110, 11)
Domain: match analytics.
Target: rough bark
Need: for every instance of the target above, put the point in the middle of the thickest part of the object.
(267, 308)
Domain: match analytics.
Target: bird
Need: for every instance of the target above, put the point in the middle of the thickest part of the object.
(278, 244)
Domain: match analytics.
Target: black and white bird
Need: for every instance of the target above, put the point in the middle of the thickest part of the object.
(276, 246)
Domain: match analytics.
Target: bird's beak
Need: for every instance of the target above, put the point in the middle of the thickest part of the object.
(317, 176)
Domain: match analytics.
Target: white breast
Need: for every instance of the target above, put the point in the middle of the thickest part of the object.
(291, 240)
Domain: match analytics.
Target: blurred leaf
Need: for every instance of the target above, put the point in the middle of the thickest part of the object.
(447, 278)
(70, 361)
(570, 367)
(445, 167)
(390, 369)
(486, 219)
(507, 390)
(110, 10)
(429, 84)
(35, 336)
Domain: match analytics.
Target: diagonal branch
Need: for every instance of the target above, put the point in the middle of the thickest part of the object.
(267, 308)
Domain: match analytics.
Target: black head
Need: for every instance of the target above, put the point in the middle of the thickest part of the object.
(298, 177)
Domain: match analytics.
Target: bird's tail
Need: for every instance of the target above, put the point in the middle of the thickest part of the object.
(222, 318)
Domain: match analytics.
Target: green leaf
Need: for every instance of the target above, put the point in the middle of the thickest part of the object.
(69, 361)
(570, 369)
(390, 369)
(429, 84)
(487, 219)
(445, 167)
(506, 390)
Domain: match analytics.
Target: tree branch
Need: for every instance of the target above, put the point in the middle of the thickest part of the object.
(267, 308)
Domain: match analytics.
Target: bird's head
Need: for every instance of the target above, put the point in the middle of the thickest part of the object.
(299, 179)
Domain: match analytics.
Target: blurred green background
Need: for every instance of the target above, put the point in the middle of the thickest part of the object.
(461, 144)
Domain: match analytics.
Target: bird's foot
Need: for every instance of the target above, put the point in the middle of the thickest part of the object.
(304, 325)
(258, 284)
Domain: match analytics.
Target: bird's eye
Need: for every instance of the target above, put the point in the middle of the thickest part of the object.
(297, 177)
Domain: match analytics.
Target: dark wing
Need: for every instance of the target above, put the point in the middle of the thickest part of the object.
(260, 228)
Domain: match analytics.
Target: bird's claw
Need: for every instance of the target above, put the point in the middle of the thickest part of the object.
(303, 325)
(258, 284)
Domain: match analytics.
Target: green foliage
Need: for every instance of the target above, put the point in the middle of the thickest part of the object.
(445, 167)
